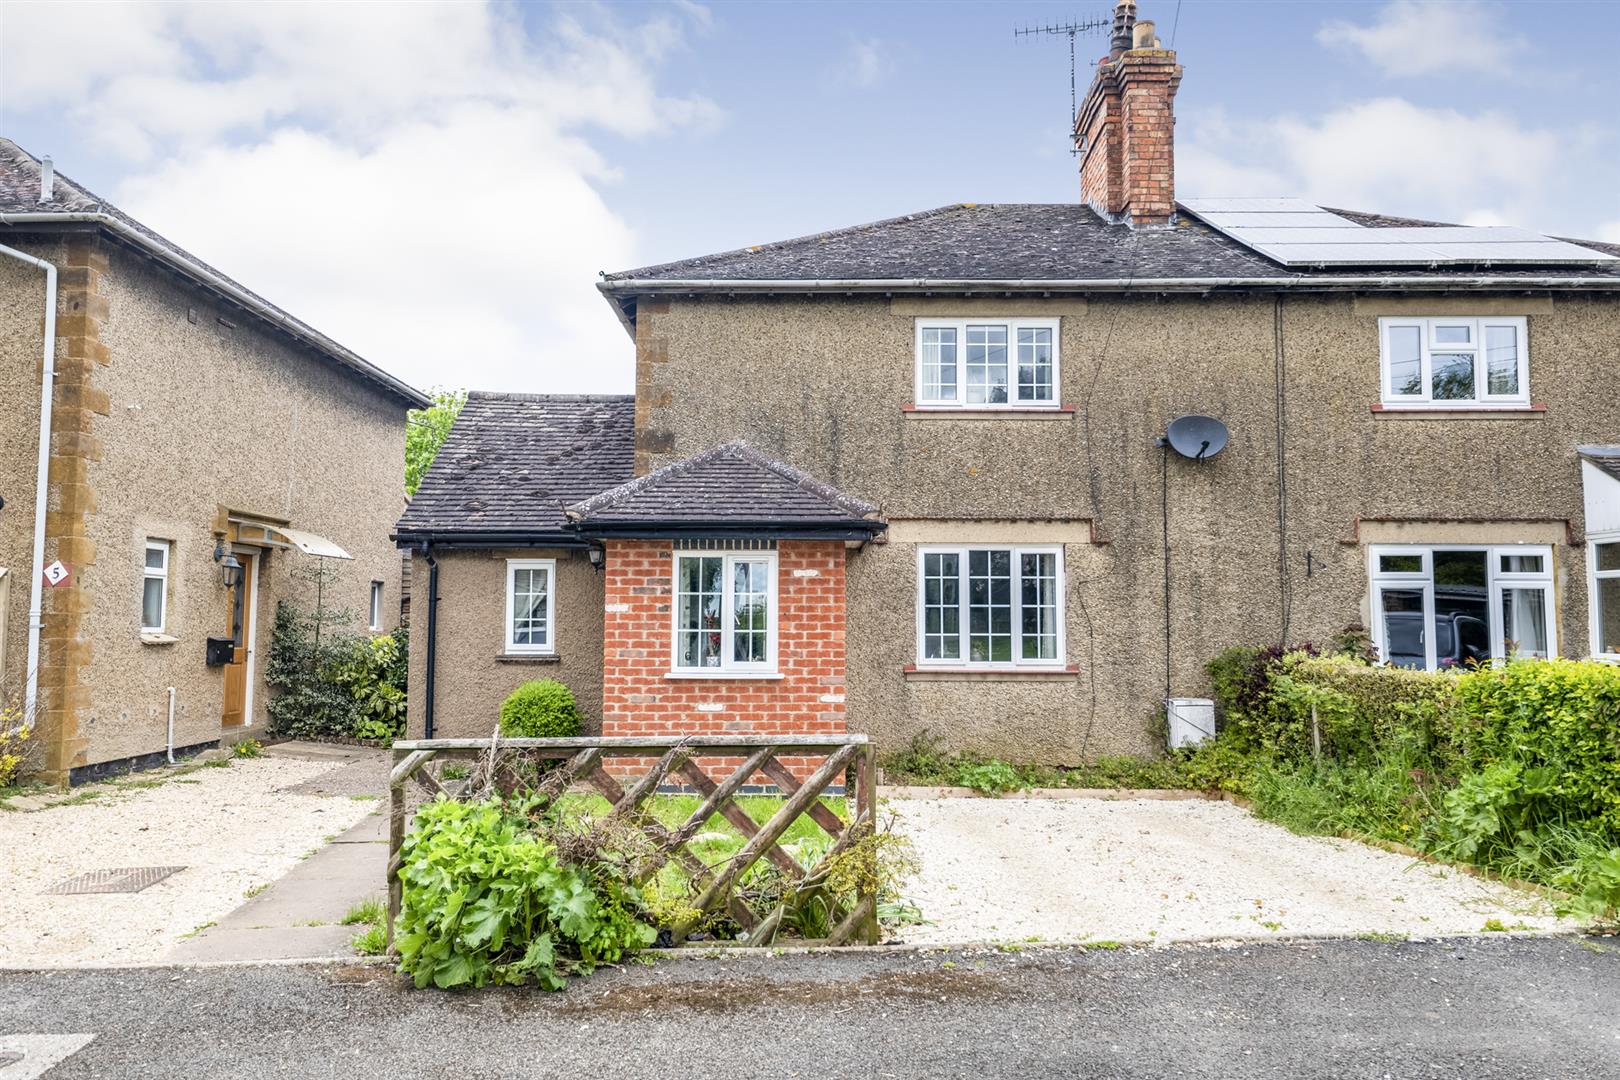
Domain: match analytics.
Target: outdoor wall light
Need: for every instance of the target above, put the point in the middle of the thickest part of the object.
(230, 570)
(596, 555)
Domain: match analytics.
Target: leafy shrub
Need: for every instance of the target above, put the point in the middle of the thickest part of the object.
(375, 671)
(485, 899)
(248, 748)
(540, 709)
(990, 778)
(13, 744)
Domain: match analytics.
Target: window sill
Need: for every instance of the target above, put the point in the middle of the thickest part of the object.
(915, 673)
(1023, 412)
(149, 638)
(527, 658)
(1481, 412)
(721, 673)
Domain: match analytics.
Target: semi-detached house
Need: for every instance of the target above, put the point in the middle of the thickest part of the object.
(911, 476)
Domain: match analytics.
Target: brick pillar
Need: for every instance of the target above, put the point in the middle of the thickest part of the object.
(65, 649)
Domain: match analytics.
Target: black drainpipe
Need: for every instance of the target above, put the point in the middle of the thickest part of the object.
(432, 638)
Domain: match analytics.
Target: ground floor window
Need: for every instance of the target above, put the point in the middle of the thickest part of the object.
(1440, 607)
(1604, 565)
(725, 611)
(155, 588)
(990, 606)
(530, 605)
(375, 607)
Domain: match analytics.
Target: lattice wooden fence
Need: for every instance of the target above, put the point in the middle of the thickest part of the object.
(846, 759)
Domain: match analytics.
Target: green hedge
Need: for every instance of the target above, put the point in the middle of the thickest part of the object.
(540, 709)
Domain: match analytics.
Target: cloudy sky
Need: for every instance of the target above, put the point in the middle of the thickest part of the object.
(438, 185)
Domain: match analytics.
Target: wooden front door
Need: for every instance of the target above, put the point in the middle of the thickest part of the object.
(239, 670)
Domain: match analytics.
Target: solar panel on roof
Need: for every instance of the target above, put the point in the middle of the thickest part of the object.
(1295, 233)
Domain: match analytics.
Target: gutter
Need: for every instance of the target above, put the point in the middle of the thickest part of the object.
(415, 538)
(230, 290)
(47, 393)
(652, 286)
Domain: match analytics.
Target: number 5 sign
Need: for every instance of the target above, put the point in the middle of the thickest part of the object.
(57, 573)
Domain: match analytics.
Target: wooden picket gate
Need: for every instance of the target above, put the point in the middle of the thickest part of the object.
(584, 764)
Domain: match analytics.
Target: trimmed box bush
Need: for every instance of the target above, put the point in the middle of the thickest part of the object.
(540, 709)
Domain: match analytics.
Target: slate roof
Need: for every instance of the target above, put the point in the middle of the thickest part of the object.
(1606, 458)
(19, 202)
(730, 485)
(512, 462)
(1030, 243)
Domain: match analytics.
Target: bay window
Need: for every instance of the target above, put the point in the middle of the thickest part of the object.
(1603, 565)
(990, 606)
(987, 363)
(725, 612)
(1442, 607)
(1454, 362)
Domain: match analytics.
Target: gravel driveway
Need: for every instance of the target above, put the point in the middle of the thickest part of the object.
(1138, 870)
(233, 829)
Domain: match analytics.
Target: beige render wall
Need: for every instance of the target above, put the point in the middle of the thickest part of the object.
(203, 416)
(472, 676)
(822, 382)
(22, 336)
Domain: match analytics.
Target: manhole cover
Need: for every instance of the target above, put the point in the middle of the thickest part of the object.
(126, 879)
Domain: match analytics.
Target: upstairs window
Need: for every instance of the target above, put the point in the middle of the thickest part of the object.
(990, 607)
(530, 605)
(155, 588)
(1446, 607)
(1454, 362)
(987, 363)
(725, 612)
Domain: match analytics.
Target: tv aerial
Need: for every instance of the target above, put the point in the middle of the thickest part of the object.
(1071, 30)
(1197, 437)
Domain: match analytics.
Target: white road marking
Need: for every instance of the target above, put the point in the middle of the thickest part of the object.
(40, 1053)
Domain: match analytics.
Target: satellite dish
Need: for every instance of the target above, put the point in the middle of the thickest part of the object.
(1196, 437)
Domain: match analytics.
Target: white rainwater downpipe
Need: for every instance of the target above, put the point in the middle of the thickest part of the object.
(36, 593)
(171, 725)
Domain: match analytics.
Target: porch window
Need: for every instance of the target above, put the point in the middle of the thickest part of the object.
(1603, 560)
(374, 609)
(725, 612)
(155, 588)
(530, 605)
(987, 363)
(990, 606)
(1442, 607)
(1454, 362)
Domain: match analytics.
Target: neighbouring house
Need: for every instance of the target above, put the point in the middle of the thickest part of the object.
(912, 475)
(174, 451)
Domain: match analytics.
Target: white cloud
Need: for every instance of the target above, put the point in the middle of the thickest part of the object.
(865, 64)
(1385, 155)
(1408, 38)
(418, 184)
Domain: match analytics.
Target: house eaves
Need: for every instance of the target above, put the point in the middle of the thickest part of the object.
(218, 284)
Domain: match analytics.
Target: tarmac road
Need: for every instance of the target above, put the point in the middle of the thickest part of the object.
(1472, 1009)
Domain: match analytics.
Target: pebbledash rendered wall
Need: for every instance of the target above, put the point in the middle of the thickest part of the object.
(1267, 540)
(473, 673)
(169, 409)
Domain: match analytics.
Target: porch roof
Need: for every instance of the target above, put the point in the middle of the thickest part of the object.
(731, 489)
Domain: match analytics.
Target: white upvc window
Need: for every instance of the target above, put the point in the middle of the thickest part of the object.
(990, 606)
(531, 606)
(1603, 577)
(1438, 607)
(987, 364)
(1454, 362)
(725, 612)
(155, 588)
(374, 609)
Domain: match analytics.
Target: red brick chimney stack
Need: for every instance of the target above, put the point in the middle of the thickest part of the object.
(1126, 127)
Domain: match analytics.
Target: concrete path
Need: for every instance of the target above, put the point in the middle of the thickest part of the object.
(1482, 1009)
(299, 916)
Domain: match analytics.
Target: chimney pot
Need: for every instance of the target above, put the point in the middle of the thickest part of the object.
(47, 179)
(1142, 36)
(1124, 18)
